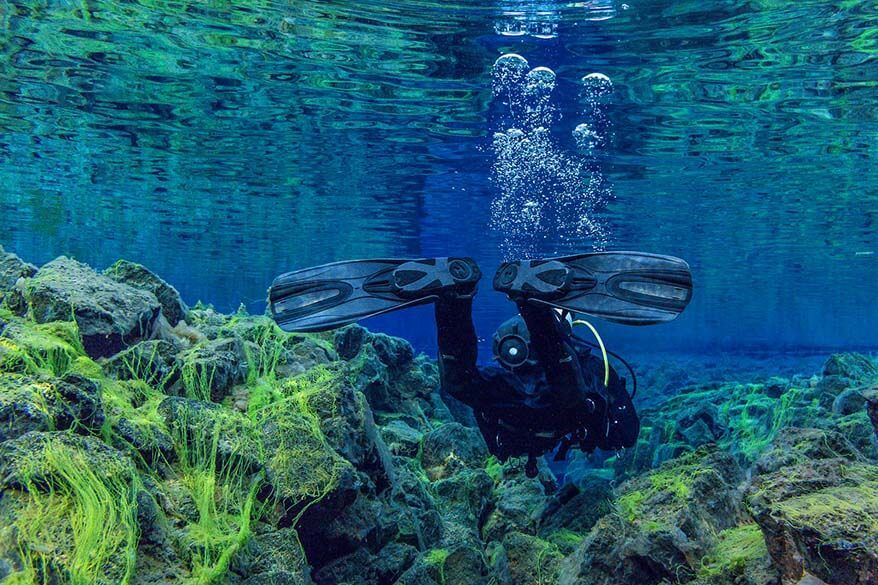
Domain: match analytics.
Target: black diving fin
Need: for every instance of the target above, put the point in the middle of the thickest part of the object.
(332, 295)
(632, 288)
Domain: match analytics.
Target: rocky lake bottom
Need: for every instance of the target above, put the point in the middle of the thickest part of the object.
(143, 441)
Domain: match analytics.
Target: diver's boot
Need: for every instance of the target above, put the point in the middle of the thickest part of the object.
(632, 288)
(332, 295)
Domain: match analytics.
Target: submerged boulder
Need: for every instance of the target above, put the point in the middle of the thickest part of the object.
(11, 269)
(666, 522)
(210, 369)
(42, 403)
(451, 447)
(110, 315)
(140, 277)
(153, 362)
(816, 510)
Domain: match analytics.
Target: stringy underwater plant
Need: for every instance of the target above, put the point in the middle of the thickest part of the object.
(72, 521)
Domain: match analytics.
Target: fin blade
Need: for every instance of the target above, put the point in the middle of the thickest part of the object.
(332, 295)
(631, 288)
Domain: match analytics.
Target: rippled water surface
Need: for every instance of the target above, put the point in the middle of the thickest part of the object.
(222, 142)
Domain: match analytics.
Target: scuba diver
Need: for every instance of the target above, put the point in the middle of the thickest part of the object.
(551, 390)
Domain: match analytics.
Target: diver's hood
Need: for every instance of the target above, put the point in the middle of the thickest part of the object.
(511, 345)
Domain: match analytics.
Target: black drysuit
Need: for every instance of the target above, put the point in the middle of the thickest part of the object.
(562, 402)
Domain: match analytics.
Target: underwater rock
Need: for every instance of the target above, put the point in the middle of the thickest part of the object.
(526, 558)
(666, 521)
(29, 459)
(211, 369)
(11, 269)
(142, 278)
(817, 517)
(110, 315)
(41, 403)
(795, 446)
(576, 509)
(849, 402)
(349, 341)
(739, 557)
(200, 426)
(70, 507)
(520, 502)
(852, 366)
(464, 497)
(272, 555)
(153, 362)
(401, 439)
(388, 374)
(451, 447)
(871, 396)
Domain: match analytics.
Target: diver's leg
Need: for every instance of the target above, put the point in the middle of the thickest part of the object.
(553, 350)
(458, 347)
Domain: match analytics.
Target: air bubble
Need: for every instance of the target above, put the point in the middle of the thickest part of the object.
(596, 86)
(508, 71)
(586, 138)
(540, 81)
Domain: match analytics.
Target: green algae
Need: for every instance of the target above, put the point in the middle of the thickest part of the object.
(436, 558)
(45, 348)
(78, 524)
(734, 550)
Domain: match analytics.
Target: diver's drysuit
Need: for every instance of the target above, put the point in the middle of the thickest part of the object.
(555, 398)
(553, 392)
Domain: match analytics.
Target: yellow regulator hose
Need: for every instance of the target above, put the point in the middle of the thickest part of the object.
(603, 349)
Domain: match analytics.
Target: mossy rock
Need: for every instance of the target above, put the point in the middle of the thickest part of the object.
(140, 277)
(739, 557)
(819, 516)
(53, 348)
(575, 509)
(153, 362)
(70, 508)
(110, 315)
(666, 522)
(211, 369)
(452, 446)
(203, 425)
(44, 403)
(853, 366)
(795, 446)
(11, 269)
(530, 559)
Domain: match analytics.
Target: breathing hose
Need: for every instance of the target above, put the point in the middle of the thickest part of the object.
(603, 349)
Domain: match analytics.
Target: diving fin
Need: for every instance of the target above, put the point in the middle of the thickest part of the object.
(332, 295)
(632, 288)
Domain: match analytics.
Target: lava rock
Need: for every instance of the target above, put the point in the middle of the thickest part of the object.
(450, 447)
(210, 370)
(201, 424)
(110, 315)
(816, 517)
(40, 403)
(153, 362)
(11, 269)
(667, 521)
(24, 465)
(141, 278)
(401, 439)
(794, 446)
(852, 366)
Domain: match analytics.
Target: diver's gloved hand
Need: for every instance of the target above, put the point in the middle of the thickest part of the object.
(332, 295)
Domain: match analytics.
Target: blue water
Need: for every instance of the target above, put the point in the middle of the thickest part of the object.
(222, 144)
